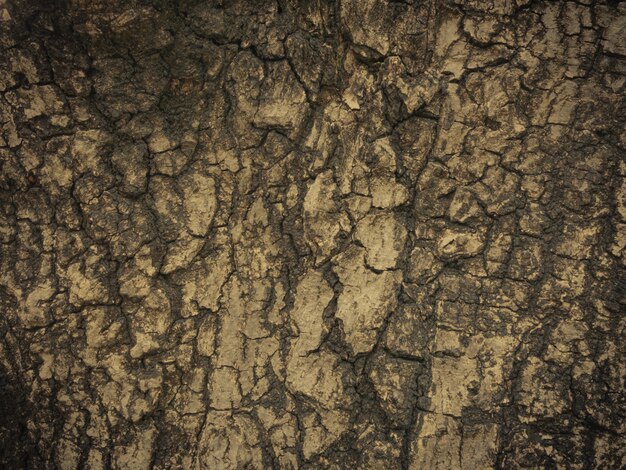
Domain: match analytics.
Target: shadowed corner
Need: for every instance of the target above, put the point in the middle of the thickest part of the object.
(17, 448)
(15, 444)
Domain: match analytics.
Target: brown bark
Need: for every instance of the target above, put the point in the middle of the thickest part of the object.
(312, 234)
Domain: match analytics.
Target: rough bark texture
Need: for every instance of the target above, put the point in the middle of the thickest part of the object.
(312, 234)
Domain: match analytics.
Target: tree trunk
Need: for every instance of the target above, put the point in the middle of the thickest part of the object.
(312, 234)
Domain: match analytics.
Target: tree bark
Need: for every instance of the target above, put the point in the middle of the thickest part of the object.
(312, 234)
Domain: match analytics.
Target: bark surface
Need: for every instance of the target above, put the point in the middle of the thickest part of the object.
(312, 234)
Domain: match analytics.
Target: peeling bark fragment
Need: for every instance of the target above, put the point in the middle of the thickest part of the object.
(282, 101)
(151, 320)
(199, 202)
(366, 300)
(460, 242)
(313, 296)
(139, 453)
(87, 280)
(383, 237)
(323, 219)
(230, 442)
